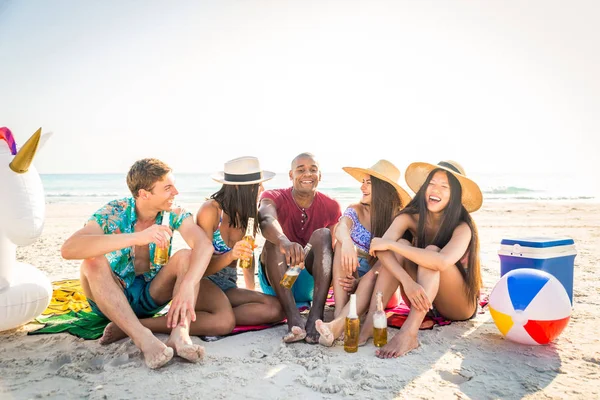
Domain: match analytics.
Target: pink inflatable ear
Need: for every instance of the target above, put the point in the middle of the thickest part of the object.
(6, 134)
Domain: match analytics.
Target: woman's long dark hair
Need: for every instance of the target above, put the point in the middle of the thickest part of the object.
(385, 206)
(239, 202)
(454, 214)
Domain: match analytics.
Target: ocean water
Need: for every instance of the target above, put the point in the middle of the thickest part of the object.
(194, 188)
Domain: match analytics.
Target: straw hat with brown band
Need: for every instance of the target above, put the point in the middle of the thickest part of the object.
(384, 170)
(417, 173)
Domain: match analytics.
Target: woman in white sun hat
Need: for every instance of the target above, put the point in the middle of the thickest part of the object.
(224, 218)
(353, 268)
(439, 271)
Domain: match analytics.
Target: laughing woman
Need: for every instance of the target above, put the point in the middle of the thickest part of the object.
(381, 201)
(439, 270)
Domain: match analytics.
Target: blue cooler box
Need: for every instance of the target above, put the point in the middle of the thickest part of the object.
(555, 256)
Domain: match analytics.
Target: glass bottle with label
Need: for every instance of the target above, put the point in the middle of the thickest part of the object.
(161, 254)
(379, 323)
(292, 273)
(248, 237)
(352, 328)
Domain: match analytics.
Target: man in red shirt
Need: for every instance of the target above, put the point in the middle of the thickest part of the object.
(289, 219)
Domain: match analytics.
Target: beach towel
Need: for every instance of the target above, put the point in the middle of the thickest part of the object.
(70, 312)
(67, 295)
(397, 316)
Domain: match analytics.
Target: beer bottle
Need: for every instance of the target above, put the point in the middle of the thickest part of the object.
(161, 255)
(352, 328)
(248, 237)
(292, 273)
(379, 323)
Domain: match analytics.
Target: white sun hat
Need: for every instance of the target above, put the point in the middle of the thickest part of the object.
(242, 171)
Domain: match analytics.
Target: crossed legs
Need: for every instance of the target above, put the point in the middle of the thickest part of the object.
(100, 284)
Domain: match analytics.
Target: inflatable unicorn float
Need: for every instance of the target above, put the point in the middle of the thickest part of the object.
(25, 291)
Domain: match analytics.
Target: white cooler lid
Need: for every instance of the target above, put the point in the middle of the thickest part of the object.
(537, 247)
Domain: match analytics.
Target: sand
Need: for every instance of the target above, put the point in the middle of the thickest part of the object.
(463, 360)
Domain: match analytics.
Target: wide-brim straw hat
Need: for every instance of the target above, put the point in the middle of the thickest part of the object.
(417, 173)
(242, 171)
(384, 170)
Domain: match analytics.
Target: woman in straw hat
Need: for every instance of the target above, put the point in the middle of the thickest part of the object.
(224, 218)
(381, 201)
(440, 268)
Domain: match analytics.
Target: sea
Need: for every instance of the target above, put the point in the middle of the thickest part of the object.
(194, 188)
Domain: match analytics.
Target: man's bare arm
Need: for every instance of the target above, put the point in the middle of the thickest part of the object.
(269, 226)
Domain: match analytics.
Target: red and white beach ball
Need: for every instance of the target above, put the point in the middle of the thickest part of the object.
(530, 306)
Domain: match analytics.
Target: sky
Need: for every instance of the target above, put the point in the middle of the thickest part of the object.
(498, 86)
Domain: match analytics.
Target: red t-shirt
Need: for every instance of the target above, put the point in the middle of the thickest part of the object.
(322, 213)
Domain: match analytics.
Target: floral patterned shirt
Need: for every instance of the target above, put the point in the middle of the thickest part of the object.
(118, 216)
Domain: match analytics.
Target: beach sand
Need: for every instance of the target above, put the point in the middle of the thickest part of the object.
(462, 360)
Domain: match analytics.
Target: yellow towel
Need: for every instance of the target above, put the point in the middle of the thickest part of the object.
(67, 296)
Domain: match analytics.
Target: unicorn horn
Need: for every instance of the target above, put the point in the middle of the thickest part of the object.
(21, 162)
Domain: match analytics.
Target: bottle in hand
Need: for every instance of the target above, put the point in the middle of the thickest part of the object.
(352, 328)
(161, 254)
(379, 323)
(292, 273)
(248, 237)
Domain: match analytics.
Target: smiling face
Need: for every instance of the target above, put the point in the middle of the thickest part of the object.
(162, 195)
(305, 174)
(437, 194)
(366, 189)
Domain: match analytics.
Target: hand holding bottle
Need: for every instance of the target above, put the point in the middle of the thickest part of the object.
(242, 250)
(158, 234)
(294, 253)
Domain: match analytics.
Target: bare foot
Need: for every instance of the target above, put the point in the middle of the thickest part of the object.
(427, 324)
(181, 342)
(312, 334)
(295, 334)
(326, 336)
(400, 344)
(111, 334)
(366, 333)
(156, 353)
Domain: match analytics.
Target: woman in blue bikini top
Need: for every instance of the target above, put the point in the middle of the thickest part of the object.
(382, 199)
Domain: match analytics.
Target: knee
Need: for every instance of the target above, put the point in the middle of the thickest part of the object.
(275, 310)
(94, 267)
(432, 247)
(322, 236)
(182, 259)
(404, 242)
(225, 323)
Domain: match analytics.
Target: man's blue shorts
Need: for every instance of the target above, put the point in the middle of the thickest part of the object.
(138, 296)
(302, 290)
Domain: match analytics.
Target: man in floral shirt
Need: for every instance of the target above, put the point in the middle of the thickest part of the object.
(119, 275)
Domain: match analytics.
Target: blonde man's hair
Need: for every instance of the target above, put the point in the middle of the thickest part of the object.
(144, 174)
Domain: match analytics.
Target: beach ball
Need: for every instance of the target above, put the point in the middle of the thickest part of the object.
(530, 306)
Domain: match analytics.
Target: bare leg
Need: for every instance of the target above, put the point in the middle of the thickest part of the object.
(275, 266)
(214, 317)
(99, 284)
(406, 340)
(334, 329)
(320, 269)
(387, 284)
(254, 308)
(162, 288)
(340, 295)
